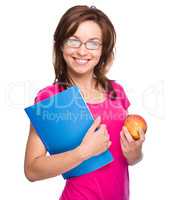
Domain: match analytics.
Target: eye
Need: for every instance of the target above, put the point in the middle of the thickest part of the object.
(93, 45)
(72, 42)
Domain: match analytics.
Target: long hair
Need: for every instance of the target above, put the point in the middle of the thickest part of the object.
(67, 27)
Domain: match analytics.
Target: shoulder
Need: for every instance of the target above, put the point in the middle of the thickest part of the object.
(119, 89)
(121, 94)
(116, 86)
(46, 92)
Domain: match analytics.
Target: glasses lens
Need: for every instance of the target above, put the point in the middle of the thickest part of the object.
(73, 43)
(92, 45)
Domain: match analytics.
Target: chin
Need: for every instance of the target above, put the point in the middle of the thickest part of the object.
(81, 72)
(76, 69)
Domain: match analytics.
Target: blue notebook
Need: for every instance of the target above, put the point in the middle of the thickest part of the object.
(61, 122)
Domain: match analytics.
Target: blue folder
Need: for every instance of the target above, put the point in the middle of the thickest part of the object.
(61, 122)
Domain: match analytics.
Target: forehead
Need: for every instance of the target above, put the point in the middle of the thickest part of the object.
(87, 30)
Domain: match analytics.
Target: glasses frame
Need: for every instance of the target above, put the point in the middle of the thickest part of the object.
(81, 43)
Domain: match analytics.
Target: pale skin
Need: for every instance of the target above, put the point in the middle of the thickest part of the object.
(38, 165)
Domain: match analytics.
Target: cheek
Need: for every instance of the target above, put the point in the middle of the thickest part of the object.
(97, 57)
(67, 53)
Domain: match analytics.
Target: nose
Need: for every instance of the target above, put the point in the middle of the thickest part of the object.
(82, 50)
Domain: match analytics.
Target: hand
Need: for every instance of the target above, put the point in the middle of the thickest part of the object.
(132, 149)
(95, 141)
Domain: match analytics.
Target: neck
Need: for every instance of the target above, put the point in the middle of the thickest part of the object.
(84, 82)
(87, 85)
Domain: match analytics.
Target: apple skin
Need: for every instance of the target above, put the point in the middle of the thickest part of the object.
(133, 123)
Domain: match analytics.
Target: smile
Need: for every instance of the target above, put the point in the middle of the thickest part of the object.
(81, 61)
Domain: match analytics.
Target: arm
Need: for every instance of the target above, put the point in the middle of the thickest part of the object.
(39, 166)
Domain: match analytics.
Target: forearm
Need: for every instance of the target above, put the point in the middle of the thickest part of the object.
(50, 166)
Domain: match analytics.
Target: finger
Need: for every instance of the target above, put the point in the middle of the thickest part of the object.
(109, 144)
(127, 135)
(142, 135)
(106, 132)
(95, 124)
(124, 146)
(123, 140)
(103, 127)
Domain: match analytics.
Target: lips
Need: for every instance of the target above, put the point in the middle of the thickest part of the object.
(81, 61)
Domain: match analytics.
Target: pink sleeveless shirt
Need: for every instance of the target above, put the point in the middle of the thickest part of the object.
(110, 182)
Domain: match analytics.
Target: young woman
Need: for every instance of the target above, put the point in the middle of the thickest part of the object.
(84, 43)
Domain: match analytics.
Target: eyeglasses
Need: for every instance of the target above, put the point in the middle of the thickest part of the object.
(90, 44)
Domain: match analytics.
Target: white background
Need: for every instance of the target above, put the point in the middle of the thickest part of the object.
(26, 33)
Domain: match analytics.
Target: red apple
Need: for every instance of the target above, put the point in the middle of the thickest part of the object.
(133, 123)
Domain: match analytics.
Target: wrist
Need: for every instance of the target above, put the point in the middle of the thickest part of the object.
(82, 153)
(135, 160)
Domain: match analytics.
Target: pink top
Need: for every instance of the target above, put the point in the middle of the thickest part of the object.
(110, 182)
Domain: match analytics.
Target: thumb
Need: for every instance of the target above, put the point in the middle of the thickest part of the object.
(95, 124)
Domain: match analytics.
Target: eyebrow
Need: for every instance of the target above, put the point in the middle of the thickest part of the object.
(94, 38)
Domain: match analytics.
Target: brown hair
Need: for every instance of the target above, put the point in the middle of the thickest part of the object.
(67, 27)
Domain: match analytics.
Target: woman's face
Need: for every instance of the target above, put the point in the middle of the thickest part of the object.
(82, 58)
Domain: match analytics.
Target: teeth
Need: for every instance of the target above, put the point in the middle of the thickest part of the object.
(81, 61)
